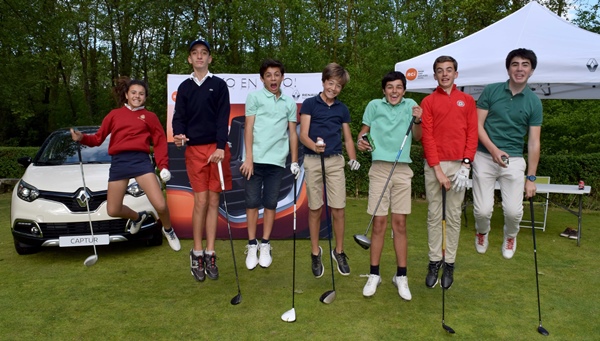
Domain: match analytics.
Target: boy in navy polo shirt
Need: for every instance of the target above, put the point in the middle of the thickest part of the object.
(324, 118)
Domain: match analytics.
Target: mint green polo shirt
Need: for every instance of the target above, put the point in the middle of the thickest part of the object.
(388, 124)
(271, 140)
(509, 117)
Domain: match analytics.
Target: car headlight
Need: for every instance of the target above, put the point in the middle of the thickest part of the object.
(135, 190)
(27, 192)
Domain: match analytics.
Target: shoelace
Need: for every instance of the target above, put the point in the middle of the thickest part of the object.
(248, 246)
(171, 234)
(510, 243)
(480, 239)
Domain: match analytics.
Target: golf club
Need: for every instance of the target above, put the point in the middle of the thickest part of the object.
(238, 298)
(91, 260)
(446, 328)
(290, 315)
(362, 239)
(540, 329)
(329, 295)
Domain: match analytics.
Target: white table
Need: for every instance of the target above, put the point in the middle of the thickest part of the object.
(561, 189)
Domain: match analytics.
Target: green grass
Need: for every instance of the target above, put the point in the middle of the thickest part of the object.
(139, 293)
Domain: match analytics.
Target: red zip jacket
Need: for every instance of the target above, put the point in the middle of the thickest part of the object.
(132, 131)
(449, 126)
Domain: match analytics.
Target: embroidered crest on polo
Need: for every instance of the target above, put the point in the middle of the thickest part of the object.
(142, 117)
(460, 103)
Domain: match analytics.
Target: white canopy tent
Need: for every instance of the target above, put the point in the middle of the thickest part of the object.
(568, 56)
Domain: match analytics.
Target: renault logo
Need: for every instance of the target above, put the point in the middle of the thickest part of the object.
(592, 65)
(82, 197)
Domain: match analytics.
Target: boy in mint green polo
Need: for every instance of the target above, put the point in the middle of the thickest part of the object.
(270, 117)
(387, 120)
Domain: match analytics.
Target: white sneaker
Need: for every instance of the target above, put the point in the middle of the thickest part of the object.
(371, 286)
(481, 242)
(509, 246)
(265, 258)
(134, 226)
(251, 258)
(401, 282)
(172, 239)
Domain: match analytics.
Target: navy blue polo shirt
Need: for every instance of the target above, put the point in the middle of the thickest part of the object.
(326, 122)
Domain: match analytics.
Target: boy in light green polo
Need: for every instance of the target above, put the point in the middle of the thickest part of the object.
(270, 115)
(387, 121)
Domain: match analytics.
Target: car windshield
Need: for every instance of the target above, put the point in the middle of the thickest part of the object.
(60, 149)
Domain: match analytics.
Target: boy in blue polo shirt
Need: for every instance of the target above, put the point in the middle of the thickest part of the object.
(324, 118)
(270, 115)
(387, 120)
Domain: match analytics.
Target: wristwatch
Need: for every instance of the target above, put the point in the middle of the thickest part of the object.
(466, 161)
(531, 178)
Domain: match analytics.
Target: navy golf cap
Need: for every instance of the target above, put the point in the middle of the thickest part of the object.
(199, 41)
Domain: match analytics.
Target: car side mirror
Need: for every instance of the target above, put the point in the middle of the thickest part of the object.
(24, 161)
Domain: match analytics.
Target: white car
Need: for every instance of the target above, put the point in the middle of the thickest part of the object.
(48, 206)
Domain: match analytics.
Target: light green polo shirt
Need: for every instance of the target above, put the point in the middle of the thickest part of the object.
(388, 124)
(271, 140)
(509, 117)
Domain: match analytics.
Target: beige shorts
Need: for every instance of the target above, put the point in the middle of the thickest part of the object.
(398, 190)
(334, 175)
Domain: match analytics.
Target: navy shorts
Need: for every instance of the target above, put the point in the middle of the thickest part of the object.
(263, 186)
(127, 165)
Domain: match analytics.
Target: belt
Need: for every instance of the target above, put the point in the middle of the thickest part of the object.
(319, 155)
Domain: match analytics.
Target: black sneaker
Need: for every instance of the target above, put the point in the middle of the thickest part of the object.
(448, 275)
(341, 261)
(317, 264)
(211, 266)
(197, 266)
(432, 274)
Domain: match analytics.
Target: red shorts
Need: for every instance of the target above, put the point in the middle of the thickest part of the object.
(202, 174)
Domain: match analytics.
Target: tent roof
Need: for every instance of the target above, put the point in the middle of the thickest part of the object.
(568, 56)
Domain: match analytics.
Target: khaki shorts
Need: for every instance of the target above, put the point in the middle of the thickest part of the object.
(334, 175)
(398, 190)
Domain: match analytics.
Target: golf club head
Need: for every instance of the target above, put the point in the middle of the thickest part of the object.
(363, 241)
(447, 328)
(91, 260)
(237, 299)
(543, 330)
(327, 297)
(289, 316)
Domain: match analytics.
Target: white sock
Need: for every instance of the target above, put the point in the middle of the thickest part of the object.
(198, 253)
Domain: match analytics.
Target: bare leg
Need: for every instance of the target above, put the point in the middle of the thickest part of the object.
(339, 221)
(212, 218)
(314, 220)
(154, 193)
(400, 238)
(268, 220)
(199, 218)
(252, 220)
(377, 238)
(114, 200)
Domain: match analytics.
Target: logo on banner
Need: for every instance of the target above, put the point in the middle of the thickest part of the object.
(411, 74)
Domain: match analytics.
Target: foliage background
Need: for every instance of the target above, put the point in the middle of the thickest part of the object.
(60, 59)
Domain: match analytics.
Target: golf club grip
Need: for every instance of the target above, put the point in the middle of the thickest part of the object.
(221, 179)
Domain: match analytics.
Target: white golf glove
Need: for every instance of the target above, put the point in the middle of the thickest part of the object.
(354, 165)
(165, 175)
(460, 178)
(295, 169)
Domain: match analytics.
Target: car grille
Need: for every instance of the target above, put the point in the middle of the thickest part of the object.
(116, 226)
(70, 199)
